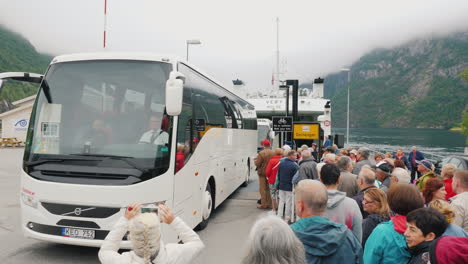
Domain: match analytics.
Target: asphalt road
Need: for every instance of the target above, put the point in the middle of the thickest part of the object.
(224, 237)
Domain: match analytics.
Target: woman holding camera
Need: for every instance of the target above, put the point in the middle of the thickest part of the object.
(145, 234)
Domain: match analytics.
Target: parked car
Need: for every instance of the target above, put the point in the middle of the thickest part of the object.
(461, 162)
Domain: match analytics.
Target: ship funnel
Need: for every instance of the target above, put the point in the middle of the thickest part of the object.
(318, 88)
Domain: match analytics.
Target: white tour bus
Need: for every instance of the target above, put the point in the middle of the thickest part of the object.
(108, 129)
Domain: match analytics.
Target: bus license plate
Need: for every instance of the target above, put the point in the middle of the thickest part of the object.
(77, 233)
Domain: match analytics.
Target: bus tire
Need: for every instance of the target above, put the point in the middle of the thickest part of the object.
(247, 176)
(207, 208)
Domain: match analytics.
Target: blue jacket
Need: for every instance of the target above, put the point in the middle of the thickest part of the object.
(327, 242)
(454, 230)
(286, 171)
(385, 245)
(419, 156)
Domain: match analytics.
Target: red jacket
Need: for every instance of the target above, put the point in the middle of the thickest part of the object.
(180, 159)
(272, 169)
(448, 189)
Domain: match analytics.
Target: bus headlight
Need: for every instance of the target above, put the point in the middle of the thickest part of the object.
(29, 200)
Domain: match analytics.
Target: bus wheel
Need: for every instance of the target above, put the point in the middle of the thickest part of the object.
(207, 208)
(247, 176)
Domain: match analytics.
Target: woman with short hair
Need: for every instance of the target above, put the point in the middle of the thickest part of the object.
(144, 231)
(272, 241)
(434, 189)
(374, 203)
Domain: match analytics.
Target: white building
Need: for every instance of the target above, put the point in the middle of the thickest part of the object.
(16, 121)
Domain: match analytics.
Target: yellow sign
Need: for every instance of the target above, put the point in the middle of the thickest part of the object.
(306, 131)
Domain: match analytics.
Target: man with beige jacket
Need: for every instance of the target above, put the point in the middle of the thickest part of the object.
(460, 201)
(261, 162)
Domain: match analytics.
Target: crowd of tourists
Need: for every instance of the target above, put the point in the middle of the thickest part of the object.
(354, 207)
(346, 207)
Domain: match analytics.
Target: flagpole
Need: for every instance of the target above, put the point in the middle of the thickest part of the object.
(277, 54)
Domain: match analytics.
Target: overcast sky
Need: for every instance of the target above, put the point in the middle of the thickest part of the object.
(238, 36)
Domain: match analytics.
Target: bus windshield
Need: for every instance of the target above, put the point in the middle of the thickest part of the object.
(110, 109)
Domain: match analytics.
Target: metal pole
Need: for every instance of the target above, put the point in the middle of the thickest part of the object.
(277, 54)
(347, 119)
(186, 58)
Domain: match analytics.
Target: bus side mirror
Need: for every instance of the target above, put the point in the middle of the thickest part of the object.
(174, 93)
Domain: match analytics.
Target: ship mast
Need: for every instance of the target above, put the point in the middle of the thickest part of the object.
(277, 55)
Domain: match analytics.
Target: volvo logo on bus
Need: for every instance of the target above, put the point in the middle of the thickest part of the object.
(77, 211)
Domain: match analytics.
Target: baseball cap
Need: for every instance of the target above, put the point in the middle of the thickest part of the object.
(266, 142)
(385, 167)
(425, 163)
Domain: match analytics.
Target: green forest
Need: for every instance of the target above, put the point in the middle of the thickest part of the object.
(17, 54)
(418, 85)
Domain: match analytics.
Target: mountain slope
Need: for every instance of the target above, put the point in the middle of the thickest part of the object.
(414, 85)
(17, 54)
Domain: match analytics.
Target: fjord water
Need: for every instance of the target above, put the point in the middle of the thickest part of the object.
(434, 143)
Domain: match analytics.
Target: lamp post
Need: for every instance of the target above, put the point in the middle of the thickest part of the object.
(192, 42)
(347, 113)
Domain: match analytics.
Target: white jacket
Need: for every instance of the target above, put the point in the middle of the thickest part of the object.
(170, 253)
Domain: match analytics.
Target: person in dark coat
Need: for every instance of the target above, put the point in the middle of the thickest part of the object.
(366, 181)
(307, 167)
(424, 225)
(414, 156)
(287, 168)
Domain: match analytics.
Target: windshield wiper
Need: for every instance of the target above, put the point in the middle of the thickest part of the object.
(117, 157)
(42, 161)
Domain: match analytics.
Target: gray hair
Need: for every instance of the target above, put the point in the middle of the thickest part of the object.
(306, 154)
(365, 152)
(367, 175)
(330, 157)
(343, 162)
(272, 241)
(402, 175)
(313, 193)
(304, 147)
(145, 235)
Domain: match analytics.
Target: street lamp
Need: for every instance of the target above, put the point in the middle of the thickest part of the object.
(347, 118)
(192, 42)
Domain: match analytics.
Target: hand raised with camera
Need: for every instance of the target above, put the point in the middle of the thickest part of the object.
(165, 214)
(132, 210)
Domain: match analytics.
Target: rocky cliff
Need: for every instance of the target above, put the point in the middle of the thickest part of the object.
(417, 84)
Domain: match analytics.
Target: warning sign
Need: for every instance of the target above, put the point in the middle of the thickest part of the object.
(306, 131)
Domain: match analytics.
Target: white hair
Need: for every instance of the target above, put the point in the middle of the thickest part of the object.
(272, 241)
(306, 154)
(330, 158)
(402, 175)
(319, 167)
(145, 235)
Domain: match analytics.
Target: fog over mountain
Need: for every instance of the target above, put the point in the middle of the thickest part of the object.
(238, 37)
